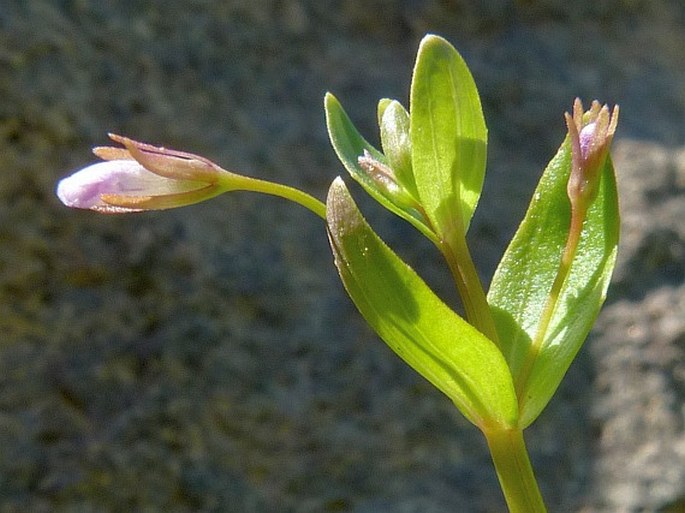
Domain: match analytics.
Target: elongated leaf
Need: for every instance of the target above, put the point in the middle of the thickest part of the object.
(414, 322)
(448, 136)
(349, 145)
(522, 282)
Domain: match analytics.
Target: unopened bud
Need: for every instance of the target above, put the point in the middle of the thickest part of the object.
(140, 177)
(591, 134)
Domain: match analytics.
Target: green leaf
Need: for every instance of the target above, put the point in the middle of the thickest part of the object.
(382, 105)
(396, 142)
(448, 135)
(415, 323)
(349, 145)
(521, 285)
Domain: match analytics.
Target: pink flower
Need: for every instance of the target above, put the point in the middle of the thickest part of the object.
(141, 177)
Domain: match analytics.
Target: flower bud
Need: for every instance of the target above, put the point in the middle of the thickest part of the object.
(591, 134)
(140, 177)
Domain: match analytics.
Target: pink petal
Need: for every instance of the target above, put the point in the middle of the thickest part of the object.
(84, 188)
(587, 135)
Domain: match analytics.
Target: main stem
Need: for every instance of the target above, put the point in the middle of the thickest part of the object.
(470, 287)
(514, 471)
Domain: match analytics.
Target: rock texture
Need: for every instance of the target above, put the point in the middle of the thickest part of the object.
(207, 359)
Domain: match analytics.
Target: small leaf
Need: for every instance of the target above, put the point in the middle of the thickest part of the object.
(414, 322)
(396, 142)
(448, 136)
(382, 105)
(521, 285)
(349, 145)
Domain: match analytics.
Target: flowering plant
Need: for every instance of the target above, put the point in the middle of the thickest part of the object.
(502, 363)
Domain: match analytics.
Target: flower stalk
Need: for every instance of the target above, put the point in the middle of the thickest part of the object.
(140, 177)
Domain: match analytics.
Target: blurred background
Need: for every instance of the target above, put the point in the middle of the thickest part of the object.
(207, 359)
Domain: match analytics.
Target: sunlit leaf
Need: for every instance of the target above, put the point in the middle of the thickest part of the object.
(415, 323)
(448, 136)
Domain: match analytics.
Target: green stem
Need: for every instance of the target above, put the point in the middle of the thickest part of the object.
(233, 182)
(514, 471)
(470, 287)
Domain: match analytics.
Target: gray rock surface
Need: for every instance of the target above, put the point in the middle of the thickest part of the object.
(207, 359)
